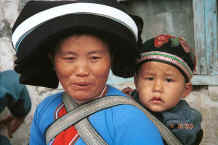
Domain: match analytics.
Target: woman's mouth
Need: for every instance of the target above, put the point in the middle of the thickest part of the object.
(81, 85)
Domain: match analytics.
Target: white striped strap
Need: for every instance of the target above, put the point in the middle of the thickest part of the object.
(84, 128)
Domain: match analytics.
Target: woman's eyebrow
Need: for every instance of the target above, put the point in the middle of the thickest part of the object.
(96, 51)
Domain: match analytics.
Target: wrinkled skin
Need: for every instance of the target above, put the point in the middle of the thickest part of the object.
(82, 64)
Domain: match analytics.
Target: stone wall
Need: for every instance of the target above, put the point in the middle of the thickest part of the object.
(203, 98)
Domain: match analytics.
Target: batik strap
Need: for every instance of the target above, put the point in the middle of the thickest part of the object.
(68, 136)
(166, 57)
(102, 103)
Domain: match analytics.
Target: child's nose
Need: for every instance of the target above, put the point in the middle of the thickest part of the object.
(158, 86)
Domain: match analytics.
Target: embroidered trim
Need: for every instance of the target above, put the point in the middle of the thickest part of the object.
(158, 55)
(57, 110)
(74, 139)
(68, 136)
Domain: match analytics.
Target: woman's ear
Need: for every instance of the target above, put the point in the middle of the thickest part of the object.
(51, 59)
(187, 89)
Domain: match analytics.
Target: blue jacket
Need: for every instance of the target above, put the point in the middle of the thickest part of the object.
(118, 125)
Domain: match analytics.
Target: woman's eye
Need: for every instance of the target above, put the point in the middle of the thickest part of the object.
(95, 58)
(149, 78)
(169, 80)
(69, 58)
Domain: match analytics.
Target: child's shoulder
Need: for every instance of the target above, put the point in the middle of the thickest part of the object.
(189, 112)
(181, 112)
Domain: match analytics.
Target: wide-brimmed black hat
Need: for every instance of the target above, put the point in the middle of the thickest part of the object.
(41, 23)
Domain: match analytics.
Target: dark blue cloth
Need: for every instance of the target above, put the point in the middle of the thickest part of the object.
(13, 94)
(182, 120)
(4, 140)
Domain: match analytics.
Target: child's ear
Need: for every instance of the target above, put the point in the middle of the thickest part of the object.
(135, 80)
(188, 89)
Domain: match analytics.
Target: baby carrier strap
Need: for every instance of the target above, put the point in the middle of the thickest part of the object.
(82, 112)
(84, 128)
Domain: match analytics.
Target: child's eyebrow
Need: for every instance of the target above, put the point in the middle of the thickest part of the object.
(148, 72)
(170, 73)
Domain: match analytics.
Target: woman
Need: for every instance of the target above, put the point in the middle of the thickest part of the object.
(77, 43)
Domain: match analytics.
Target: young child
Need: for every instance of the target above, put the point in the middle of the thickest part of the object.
(162, 79)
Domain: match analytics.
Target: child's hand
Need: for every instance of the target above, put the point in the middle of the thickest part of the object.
(128, 91)
(12, 123)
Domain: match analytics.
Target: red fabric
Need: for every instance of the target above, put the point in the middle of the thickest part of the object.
(68, 136)
(161, 40)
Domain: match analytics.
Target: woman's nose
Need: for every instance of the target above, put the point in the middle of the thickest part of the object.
(83, 68)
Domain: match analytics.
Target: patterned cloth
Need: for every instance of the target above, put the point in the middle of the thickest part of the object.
(171, 50)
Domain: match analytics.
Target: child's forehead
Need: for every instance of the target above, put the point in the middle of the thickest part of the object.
(158, 67)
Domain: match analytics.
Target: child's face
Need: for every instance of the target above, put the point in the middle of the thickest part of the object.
(160, 86)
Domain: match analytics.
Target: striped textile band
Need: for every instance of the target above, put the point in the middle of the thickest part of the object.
(163, 56)
(75, 8)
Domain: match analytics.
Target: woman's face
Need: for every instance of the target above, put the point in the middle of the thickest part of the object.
(82, 64)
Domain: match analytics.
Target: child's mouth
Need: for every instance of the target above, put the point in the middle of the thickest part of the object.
(156, 100)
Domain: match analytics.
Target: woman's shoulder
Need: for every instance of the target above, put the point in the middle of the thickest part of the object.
(130, 121)
(50, 102)
(125, 111)
(113, 91)
(131, 113)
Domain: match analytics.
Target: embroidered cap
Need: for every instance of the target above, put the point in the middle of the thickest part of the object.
(171, 50)
(41, 23)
